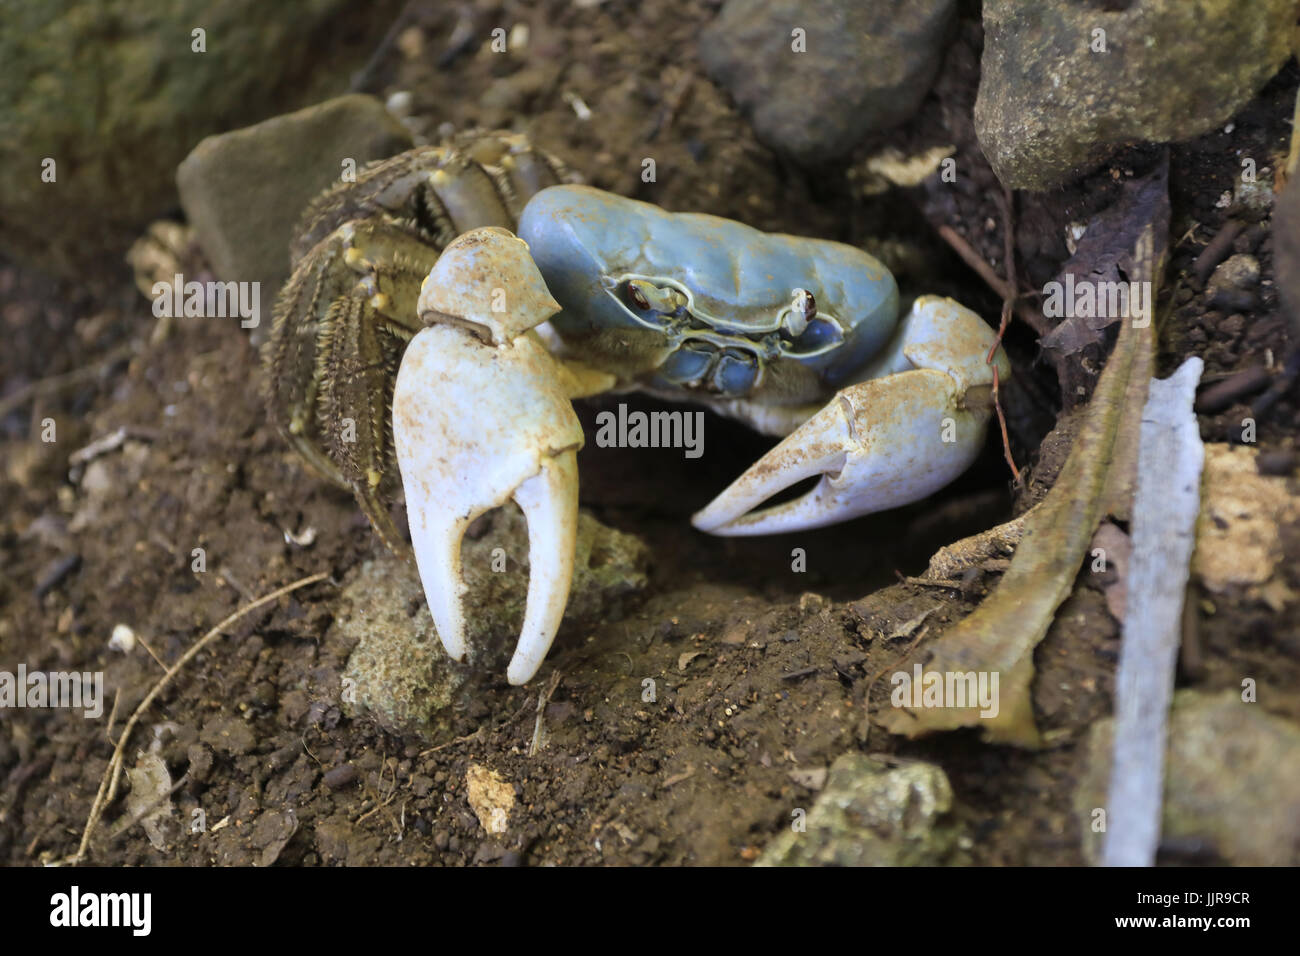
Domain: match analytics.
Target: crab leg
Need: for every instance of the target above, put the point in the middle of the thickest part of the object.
(481, 414)
(914, 424)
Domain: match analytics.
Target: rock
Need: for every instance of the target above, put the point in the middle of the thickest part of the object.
(115, 94)
(243, 191)
(1238, 532)
(1232, 780)
(1253, 197)
(1051, 104)
(873, 813)
(1237, 272)
(1233, 281)
(865, 65)
(398, 670)
(490, 796)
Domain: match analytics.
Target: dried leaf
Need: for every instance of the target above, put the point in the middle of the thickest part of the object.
(1106, 254)
(998, 638)
(149, 801)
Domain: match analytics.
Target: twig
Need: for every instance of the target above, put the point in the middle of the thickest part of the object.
(363, 77)
(1008, 301)
(112, 717)
(55, 383)
(972, 258)
(113, 772)
(1225, 393)
(672, 104)
(151, 653)
(450, 743)
(1217, 249)
(897, 663)
(539, 727)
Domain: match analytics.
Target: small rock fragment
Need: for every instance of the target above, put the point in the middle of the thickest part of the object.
(229, 735)
(122, 639)
(490, 796)
(873, 813)
(1238, 542)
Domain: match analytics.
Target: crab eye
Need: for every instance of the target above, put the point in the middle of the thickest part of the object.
(637, 297)
(805, 304)
(803, 309)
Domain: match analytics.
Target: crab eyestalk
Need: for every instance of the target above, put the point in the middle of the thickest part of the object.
(481, 415)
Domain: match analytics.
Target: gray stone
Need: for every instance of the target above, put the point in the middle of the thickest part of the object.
(1237, 273)
(1232, 780)
(398, 670)
(867, 65)
(115, 94)
(873, 813)
(1049, 107)
(243, 191)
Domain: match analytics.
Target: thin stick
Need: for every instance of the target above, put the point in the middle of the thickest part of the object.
(151, 653)
(450, 743)
(107, 790)
(1008, 302)
(972, 258)
(54, 383)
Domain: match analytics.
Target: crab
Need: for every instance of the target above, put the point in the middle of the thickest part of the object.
(458, 360)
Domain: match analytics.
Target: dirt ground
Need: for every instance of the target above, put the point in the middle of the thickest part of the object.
(760, 670)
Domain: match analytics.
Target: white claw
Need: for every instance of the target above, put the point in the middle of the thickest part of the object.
(476, 424)
(821, 446)
(550, 502)
(881, 443)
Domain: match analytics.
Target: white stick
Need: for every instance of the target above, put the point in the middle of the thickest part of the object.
(1164, 533)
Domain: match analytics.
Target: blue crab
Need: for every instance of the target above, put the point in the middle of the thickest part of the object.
(491, 339)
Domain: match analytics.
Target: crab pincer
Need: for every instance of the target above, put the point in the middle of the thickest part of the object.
(482, 414)
(912, 425)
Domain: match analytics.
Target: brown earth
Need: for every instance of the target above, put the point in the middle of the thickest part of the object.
(760, 671)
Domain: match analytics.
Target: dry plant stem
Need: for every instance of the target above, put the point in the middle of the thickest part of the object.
(56, 382)
(1008, 302)
(1217, 249)
(113, 772)
(969, 256)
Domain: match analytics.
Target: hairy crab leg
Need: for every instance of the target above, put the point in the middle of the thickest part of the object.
(349, 308)
(883, 442)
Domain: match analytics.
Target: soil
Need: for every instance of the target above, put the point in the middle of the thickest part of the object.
(759, 670)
